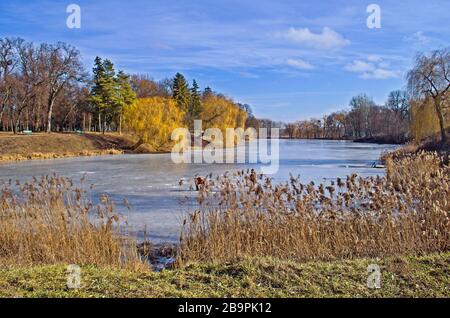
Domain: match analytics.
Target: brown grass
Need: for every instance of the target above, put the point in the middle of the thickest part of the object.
(431, 144)
(53, 146)
(49, 221)
(244, 215)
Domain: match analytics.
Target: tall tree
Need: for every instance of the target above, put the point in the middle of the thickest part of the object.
(61, 66)
(103, 92)
(8, 62)
(126, 96)
(207, 92)
(181, 93)
(360, 114)
(195, 104)
(398, 102)
(27, 80)
(430, 79)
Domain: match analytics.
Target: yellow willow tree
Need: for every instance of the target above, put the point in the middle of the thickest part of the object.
(222, 113)
(424, 120)
(152, 120)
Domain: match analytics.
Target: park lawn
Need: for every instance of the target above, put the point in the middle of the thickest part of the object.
(425, 276)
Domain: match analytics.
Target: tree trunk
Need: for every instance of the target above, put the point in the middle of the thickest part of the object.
(1, 118)
(437, 105)
(51, 102)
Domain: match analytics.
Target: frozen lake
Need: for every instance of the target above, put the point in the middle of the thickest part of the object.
(151, 182)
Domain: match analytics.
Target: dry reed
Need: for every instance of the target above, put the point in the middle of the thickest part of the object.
(50, 221)
(405, 212)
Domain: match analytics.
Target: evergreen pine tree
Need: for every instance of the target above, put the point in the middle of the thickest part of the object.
(195, 105)
(125, 96)
(181, 93)
(103, 93)
(207, 92)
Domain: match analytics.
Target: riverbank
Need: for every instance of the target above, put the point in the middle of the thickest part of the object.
(368, 140)
(42, 146)
(64, 145)
(426, 276)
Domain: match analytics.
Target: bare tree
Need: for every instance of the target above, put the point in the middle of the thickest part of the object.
(430, 79)
(61, 64)
(398, 102)
(8, 62)
(26, 81)
(144, 86)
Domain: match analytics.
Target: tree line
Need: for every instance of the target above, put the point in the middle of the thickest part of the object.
(35, 81)
(45, 87)
(419, 111)
(365, 120)
(163, 106)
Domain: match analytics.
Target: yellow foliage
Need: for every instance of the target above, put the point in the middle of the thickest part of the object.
(221, 112)
(153, 119)
(424, 120)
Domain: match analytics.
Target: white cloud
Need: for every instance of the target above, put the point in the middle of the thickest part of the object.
(373, 68)
(300, 64)
(380, 73)
(326, 40)
(249, 75)
(358, 66)
(374, 58)
(419, 38)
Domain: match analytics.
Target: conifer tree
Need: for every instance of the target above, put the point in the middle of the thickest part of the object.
(195, 105)
(181, 93)
(207, 92)
(125, 96)
(103, 93)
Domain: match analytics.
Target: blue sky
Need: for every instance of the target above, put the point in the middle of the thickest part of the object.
(288, 59)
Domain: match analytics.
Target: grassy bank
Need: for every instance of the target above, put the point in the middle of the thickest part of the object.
(53, 146)
(427, 276)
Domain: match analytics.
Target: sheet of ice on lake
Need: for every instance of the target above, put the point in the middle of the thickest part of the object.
(151, 182)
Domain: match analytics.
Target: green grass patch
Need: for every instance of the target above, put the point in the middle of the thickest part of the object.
(426, 276)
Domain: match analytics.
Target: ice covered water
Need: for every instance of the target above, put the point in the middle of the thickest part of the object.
(151, 182)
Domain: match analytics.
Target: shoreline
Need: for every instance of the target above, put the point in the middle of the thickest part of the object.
(121, 147)
(375, 141)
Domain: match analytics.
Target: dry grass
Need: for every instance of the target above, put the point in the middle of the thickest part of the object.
(244, 215)
(431, 144)
(53, 146)
(49, 221)
(45, 156)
